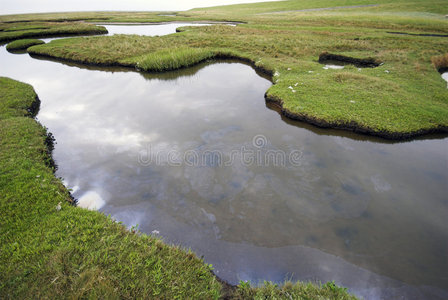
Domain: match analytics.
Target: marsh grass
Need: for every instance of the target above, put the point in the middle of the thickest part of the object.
(440, 62)
(15, 31)
(403, 97)
(23, 44)
(172, 59)
(289, 290)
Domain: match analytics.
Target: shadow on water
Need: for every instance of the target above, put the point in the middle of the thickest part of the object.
(193, 70)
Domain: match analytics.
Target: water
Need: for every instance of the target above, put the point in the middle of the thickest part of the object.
(445, 77)
(147, 29)
(199, 157)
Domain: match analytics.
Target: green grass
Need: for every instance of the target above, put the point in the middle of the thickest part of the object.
(23, 44)
(404, 97)
(289, 290)
(76, 253)
(15, 31)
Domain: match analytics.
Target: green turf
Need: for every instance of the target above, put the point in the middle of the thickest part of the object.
(25, 30)
(23, 44)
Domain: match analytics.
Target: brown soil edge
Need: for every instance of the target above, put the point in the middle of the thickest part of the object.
(442, 70)
(343, 125)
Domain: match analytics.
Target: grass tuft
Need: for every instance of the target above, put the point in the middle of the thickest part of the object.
(441, 62)
(171, 59)
(23, 44)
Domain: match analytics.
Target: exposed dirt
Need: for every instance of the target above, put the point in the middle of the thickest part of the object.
(359, 62)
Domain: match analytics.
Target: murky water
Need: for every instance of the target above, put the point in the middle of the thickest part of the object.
(198, 157)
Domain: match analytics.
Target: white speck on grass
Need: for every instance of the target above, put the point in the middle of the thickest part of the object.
(333, 67)
(289, 69)
(296, 84)
(445, 77)
(290, 87)
(310, 72)
(351, 101)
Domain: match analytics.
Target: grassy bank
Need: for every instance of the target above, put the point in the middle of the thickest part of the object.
(52, 251)
(25, 30)
(72, 252)
(403, 97)
(23, 44)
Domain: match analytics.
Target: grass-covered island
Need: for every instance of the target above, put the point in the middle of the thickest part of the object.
(52, 249)
(23, 44)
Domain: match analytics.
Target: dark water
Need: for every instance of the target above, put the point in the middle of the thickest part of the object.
(197, 157)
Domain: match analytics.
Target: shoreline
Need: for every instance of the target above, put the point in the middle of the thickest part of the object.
(102, 240)
(321, 123)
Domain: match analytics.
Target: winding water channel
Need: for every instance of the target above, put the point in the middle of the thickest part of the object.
(198, 157)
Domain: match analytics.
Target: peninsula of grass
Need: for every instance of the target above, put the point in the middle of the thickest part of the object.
(403, 97)
(51, 249)
(23, 44)
(25, 30)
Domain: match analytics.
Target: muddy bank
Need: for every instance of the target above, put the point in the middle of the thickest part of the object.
(370, 62)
